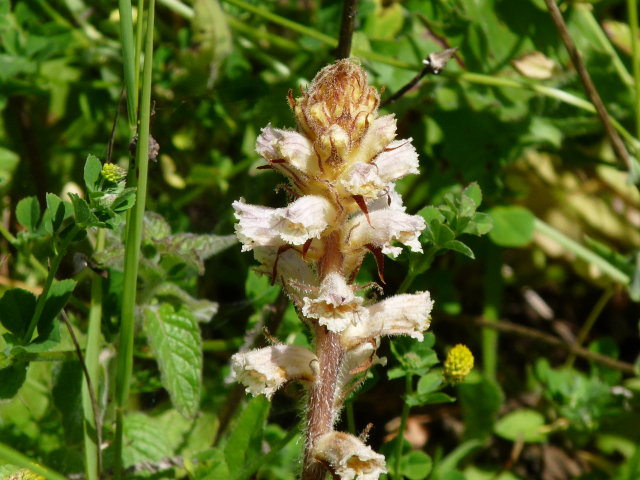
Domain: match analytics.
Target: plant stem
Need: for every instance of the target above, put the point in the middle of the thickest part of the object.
(42, 298)
(92, 424)
(408, 389)
(632, 9)
(132, 248)
(347, 25)
(576, 58)
(128, 58)
(491, 312)
(582, 252)
(590, 321)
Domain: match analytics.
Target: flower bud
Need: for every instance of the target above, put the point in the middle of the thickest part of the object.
(347, 457)
(113, 173)
(265, 370)
(458, 364)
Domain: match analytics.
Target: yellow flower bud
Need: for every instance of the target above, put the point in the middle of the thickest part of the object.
(113, 173)
(458, 364)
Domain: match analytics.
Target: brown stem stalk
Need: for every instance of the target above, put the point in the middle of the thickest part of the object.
(322, 408)
(618, 146)
(347, 25)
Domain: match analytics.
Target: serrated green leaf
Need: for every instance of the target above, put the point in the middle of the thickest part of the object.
(59, 293)
(208, 465)
(11, 379)
(203, 310)
(429, 383)
(194, 249)
(428, 398)
(28, 213)
(175, 340)
(92, 169)
(416, 465)
(512, 226)
(124, 201)
(155, 226)
(474, 193)
(144, 439)
(521, 425)
(441, 233)
(259, 290)
(245, 442)
(458, 246)
(480, 224)
(17, 307)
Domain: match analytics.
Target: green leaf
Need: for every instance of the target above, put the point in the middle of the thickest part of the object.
(144, 439)
(473, 192)
(245, 443)
(92, 169)
(17, 307)
(458, 246)
(56, 212)
(429, 383)
(416, 465)
(481, 402)
(480, 224)
(521, 425)
(194, 249)
(208, 465)
(175, 340)
(28, 213)
(11, 379)
(83, 214)
(59, 293)
(512, 226)
(415, 358)
(259, 290)
(203, 310)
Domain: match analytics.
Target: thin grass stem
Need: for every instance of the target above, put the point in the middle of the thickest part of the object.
(16, 458)
(408, 390)
(632, 8)
(491, 312)
(132, 248)
(128, 58)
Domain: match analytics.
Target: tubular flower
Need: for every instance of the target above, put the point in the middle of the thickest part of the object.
(347, 457)
(265, 370)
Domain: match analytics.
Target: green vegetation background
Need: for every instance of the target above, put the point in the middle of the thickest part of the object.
(555, 400)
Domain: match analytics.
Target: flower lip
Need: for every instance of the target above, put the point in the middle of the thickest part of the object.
(347, 457)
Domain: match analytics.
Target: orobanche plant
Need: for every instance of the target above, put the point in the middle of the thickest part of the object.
(342, 165)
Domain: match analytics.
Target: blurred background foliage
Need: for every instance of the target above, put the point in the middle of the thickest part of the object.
(508, 113)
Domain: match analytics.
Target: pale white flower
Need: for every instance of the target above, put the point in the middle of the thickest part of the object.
(384, 227)
(264, 370)
(303, 219)
(405, 314)
(336, 306)
(347, 457)
(397, 160)
(294, 148)
(390, 200)
(256, 226)
(333, 145)
(363, 179)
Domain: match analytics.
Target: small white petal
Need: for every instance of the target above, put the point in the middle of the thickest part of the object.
(390, 200)
(264, 370)
(256, 225)
(290, 267)
(303, 219)
(294, 148)
(387, 226)
(406, 314)
(347, 457)
(336, 306)
(397, 160)
(363, 179)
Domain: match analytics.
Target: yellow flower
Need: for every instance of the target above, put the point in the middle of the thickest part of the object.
(458, 364)
(113, 173)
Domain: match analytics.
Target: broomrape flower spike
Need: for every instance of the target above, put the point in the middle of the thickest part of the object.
(341, 163)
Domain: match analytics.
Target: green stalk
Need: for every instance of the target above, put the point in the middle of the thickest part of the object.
(132, 248)
(603, 42)
(136, 59)
(55, 264)
(16, 458)
(128, 58)
(491, 312)
(92, 426)
(408, 388)
(632, 8)
(582, 252)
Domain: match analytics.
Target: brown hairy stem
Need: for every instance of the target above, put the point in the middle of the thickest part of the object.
(322, 410)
